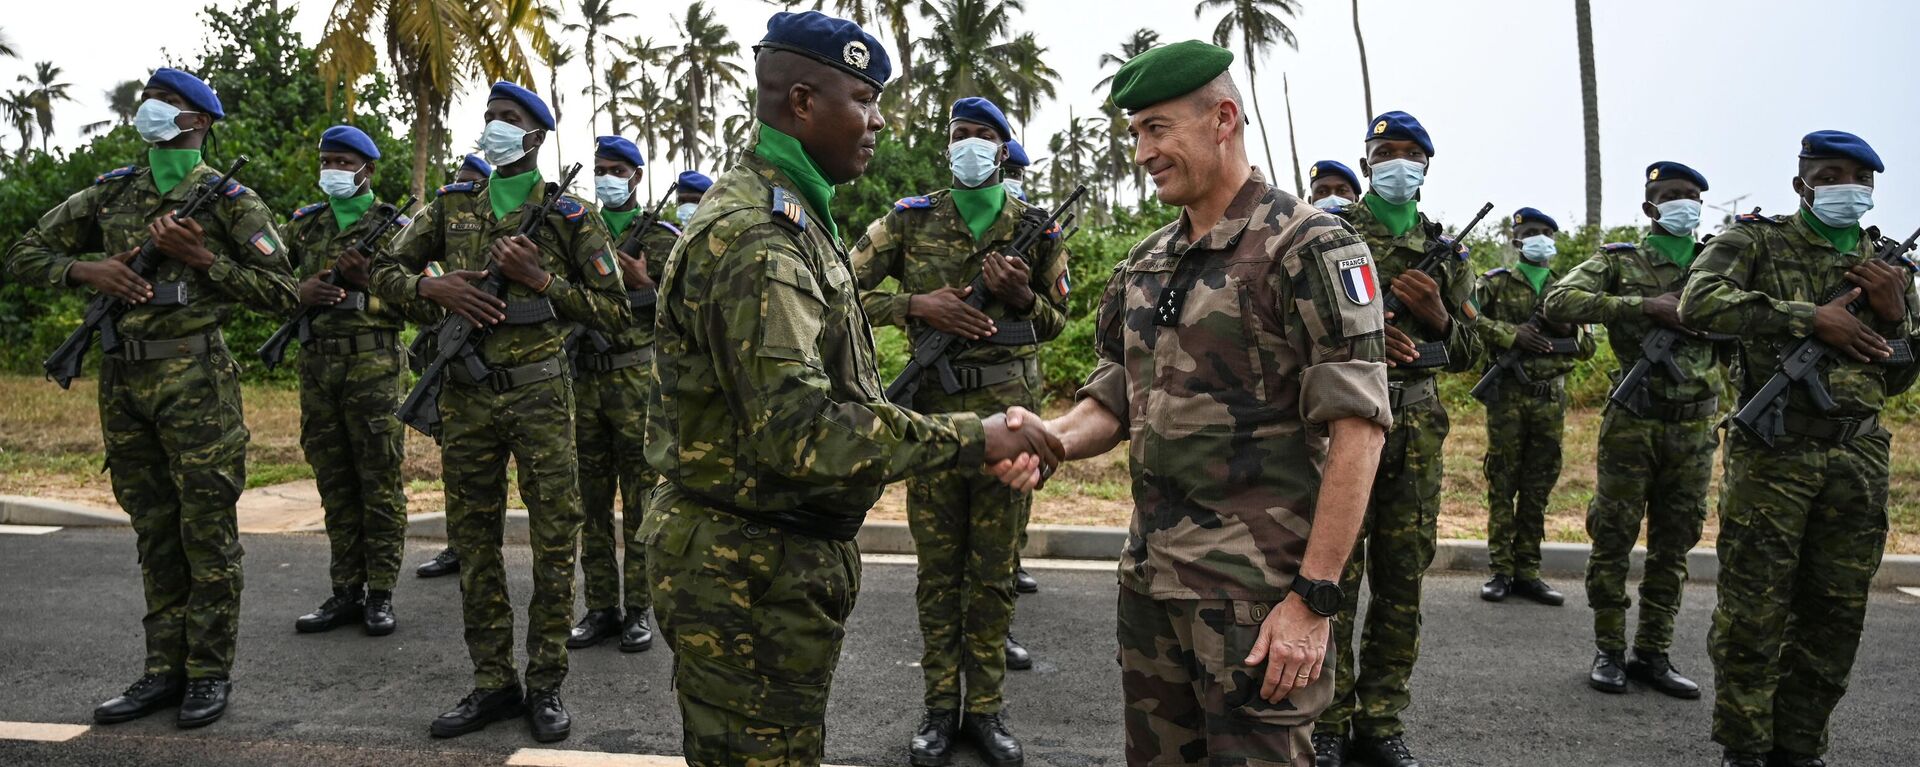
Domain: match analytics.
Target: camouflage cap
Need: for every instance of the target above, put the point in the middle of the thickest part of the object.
(1167, 72)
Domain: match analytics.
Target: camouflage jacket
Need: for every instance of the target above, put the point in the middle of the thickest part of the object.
(455, 231)
(1227, 410)
(768, 396)
(656, 242)
(1506, 301)
(314, 240)
(925, 245)
(1609, 288)
(110, 217)
(1761, 280)
(1393, 255)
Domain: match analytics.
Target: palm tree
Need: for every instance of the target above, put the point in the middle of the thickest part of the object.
(124, 101)
(46, 90)
(617, 80)
(1366, 80)
(704, 66)
(554, 57)
(1589, 106)
(434, 46)
(738, 125)
(643, 99)
(1117, 161)
(1256, 26)
(1075, 150)
(1143, 40)
(596, 16)
(1293, 141)
(969, 42)
(1026, 79)
(18, 108)
(7, 51)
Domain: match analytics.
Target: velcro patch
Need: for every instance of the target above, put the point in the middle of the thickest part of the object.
(263, 241)
(1358, 281)
(434, 269)
(1063, 285)
(603, 263)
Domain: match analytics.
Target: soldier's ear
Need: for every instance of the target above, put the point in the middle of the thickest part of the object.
(1365, 169)
(800, 101)
(1652, 211)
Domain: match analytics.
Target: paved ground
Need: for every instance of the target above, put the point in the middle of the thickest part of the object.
(1500, 685)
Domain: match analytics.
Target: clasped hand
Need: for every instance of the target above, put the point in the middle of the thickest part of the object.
(1021, 451)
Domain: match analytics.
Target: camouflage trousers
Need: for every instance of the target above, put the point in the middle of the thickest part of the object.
(1802, 528)
(612, 428)
(966, 529)
(534, 426)
(1522, 465)
(755, 617)
(1659, 471)
(353, 442)
(176, 448)
(1395, 547)
(1190, 701)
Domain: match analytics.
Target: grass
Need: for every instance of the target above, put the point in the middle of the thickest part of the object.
(50, 446)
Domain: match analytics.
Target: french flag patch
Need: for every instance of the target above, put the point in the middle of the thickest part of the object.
(1357, 280)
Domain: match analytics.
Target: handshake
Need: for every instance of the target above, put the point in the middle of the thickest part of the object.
(1021, 451)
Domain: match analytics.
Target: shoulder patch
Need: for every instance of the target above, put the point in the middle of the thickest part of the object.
(403, 221)
(1460, 250)
(462, 187)
(233, 190)
(911, 203)
(669, 227)
(1758, 218)
(1617, 247)
(116, 173)
(787, 208)
(1053, 232)
(1495, 272)
(570, 209)
(308, 211)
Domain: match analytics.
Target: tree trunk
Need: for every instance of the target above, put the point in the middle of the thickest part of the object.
(1293, 141)
(553, 86)
(593, 86)
(1366, 80)
(422, 137)
(1253, 87)
(1589, 106)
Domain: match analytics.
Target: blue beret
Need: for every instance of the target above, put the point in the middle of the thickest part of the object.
(1336, 168)
(1017, 154)
(1667, 171)
(1524, 215)
(475, 162)
(190, 88)
(695, 181)
(835, 42)
(346, 138)
(974, 109)
(536, 108)
(1400, 126)
(617, 148)
(1833, 143)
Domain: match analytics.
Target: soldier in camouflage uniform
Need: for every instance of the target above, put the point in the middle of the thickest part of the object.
(1524, 419)
(1240, 357)
(563, 273)
(170, 395)
(966, 525)
(770, 431)
(1803, 522)
(1656, 454)
(351, 372)
(614, 378)
(1397, 544)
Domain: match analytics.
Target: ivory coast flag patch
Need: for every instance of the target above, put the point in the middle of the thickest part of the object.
(604, 264)
(434, 269)
(263, 241)
(1062, 285)
(1357, 280)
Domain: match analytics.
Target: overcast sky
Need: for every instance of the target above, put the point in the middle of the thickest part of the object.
(1723, 85)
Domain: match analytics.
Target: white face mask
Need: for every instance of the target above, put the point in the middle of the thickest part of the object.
(973, 160)
(1332, 203)
(1396, 181)
(1537, 249)
(340, 184)
(1679, 217)
(502, 143)
(1016, 189)
(685, 212)
(612, 190)
(156, 121)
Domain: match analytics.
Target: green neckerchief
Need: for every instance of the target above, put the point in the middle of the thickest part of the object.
(171, 166)
(1398, 218)
(619, 220)
(347, 212)
(1845, 239)
(1536, 275)
(510, 192)
(979, 207)
(1679, 250)
(785, 153)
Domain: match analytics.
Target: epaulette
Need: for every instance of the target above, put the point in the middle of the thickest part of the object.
(787, 208)
(307, 211)
(669, 227)
(1758, 218)
(1495, 272)
(569, 208)
(1053, 232)
(1617, 247)
(402, 221)
(1459, 249)
(909, 203)
(463, 187)
(233, 190)
(122, 172)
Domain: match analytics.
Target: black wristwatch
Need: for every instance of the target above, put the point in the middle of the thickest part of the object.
(1322, 597)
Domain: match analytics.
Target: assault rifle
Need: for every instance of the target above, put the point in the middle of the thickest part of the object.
(637, 299)
(1512, 364)
(300, 328)
(1433, 354)
(1656, 351)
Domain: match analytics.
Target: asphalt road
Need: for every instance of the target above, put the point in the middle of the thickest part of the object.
(1498, 685)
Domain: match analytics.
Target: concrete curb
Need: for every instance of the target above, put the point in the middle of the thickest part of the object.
(27, 510)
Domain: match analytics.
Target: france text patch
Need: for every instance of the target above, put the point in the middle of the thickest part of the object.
(1357, 280)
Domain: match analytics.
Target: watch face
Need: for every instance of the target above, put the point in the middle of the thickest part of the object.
(1324, 598)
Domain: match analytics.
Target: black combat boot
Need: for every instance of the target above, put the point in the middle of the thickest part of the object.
(1018, 659)
(1742, 759)
(150, 693)
(205, 702)
(444, 563)
(547, 717)
(1538, 591)
(1023, 582)
(1496, 588)
(379, 619)
(1390, 751)
(637, 636)
(1655, 669)
(344, 607)
(1329, 750)
(598, 625)
(998, 747)
(479, 709)
(932, 746)
(1609, 672)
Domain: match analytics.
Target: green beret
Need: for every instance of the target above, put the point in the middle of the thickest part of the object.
(1167, 72)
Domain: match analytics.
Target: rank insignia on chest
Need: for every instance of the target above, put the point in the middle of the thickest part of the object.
(264, 242)
(603, 263)
(1357, 280)
(1166, 311)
